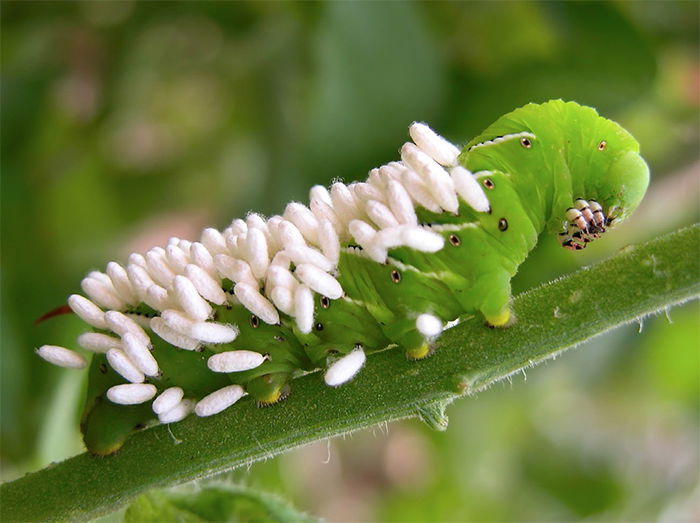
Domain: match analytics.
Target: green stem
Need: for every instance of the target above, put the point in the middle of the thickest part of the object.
(637, 281)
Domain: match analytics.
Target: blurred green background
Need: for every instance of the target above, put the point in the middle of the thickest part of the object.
(124, 123)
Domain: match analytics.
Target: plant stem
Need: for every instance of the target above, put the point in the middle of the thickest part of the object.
(639, 280)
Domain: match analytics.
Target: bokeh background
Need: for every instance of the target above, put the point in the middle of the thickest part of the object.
(124, 123)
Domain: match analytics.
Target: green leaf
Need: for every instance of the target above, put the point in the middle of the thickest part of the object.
(638, 281)
(214, 503)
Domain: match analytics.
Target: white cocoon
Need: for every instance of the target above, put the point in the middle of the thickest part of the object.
(131, 393)
(219, 400)
(61, 356)
(235, 361)
(345, 369)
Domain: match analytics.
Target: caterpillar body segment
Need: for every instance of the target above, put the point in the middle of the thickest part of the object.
(195, 326)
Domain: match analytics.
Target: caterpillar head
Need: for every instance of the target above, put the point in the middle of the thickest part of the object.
(609, 178)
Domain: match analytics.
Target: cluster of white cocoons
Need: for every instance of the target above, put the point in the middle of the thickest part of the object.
(276, 264)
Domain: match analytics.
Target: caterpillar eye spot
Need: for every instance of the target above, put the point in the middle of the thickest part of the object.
(254, 321)
(488, 183)
(318, 326)
(395, 276)
(602, 145)
(502, 225)
(280, 339)
(454, 240)
(525, 142)
(325, 302)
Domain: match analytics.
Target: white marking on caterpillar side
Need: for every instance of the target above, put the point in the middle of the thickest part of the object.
(504, 138)
(203, 258)
(139, 354)
(452, 227)
(434, 145)
(158, 268)
(193, 304)
(235, 361)
(87, 311)
(167, 399)
(469, 189)
(102, 292)
(211, 332)
(207, 287)
(256, 303)
(97, 342)
(345, 369)
(121, 363)
(121, 283)
(173, 337)
(178, 412)
(214, 241)
(304, 308)
(219, 400)
(61, 356)
(121, 324)
(436, 275)
(131, 393)
(434, 176)
(319, 281)
(429, 325)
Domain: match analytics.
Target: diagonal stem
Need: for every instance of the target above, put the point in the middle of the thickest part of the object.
(639, 280)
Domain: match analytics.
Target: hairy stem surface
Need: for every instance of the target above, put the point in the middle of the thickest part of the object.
(639, 280)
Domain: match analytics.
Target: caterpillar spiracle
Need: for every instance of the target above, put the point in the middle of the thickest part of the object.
(194, 326)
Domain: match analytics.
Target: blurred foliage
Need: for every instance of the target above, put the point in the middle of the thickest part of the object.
(125, 123)
(213, 503)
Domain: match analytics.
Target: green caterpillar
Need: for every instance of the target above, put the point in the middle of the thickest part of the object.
(393, 260)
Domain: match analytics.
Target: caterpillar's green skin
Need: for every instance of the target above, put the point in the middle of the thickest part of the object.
(531, 189)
